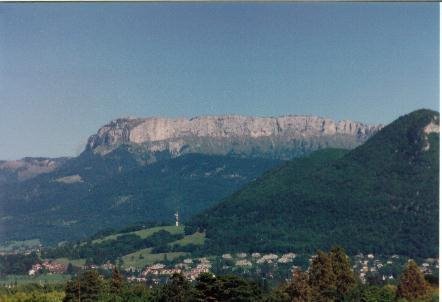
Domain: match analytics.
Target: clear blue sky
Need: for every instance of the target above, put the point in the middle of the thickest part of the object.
(67, 69)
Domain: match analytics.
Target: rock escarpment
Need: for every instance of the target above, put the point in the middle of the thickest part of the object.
(276, 137)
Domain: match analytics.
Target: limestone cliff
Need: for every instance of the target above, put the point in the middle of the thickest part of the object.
(279, 137)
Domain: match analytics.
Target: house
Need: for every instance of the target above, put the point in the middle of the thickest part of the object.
(108, 266)
(286, 258)
(54, 267)
(226, 256)
(243, 262)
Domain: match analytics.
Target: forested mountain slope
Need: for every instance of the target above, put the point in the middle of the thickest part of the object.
(95, 193)
(381, 197)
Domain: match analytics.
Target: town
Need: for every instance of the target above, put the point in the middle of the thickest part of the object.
(271, 266)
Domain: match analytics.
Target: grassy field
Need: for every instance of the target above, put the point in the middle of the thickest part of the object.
(41, 279)
(145, 232)
(144, 257)
(75, 262)
(148, 258)
(196, 239)
(53, 296)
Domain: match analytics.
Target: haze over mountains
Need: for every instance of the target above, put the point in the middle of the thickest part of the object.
(136, 170)
(27, 168)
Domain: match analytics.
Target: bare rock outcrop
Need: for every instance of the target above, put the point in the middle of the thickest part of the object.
(230, 134)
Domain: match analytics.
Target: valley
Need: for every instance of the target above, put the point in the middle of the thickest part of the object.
(153, 217)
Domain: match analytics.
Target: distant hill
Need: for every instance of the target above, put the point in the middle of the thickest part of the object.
(26, 168)
(381, 197)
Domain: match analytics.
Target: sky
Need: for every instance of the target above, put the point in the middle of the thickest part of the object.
(68, 68)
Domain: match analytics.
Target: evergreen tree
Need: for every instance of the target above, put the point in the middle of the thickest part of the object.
(322, 280)
(226, 288)
(278, 295)
(412, 284)
(85, 288)
(70, 269)
(116, 282)
(71, 292)
(90, 285)
(299, 289)
(207, 287)
(345, 279)
(177, 290)
(234, 288)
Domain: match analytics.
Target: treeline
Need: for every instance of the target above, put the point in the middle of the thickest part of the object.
(109, 250)
(17, 264)
(330, 278)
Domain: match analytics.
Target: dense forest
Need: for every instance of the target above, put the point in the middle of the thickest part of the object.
(381, 197)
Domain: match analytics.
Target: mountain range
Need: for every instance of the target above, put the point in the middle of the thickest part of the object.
(145, 169)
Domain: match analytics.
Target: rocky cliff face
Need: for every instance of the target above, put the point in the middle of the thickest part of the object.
(276, 137)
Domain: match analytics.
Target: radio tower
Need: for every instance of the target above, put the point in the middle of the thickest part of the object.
(177, 219)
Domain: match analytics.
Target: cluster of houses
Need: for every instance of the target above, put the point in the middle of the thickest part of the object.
(430, 266)
(51, 267)
(190, 268)
(242, 259)
(387, 268)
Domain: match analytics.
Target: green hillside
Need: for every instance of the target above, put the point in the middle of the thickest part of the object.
(141, 258)
(144, 233)
(381, 197)
(134, 248)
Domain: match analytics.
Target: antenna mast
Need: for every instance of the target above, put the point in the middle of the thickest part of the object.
(177, 219)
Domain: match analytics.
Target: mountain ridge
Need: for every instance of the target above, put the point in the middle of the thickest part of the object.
(231, 133)
(380, 197)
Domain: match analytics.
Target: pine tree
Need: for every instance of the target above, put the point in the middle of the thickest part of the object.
(85, 288)
(71, 292)
(116, 282)
(299, 289)
(70, 269)
(90, 285)
(207, 287)
(178, 290)
(322, 280)
(345, 279)
(412, 284)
